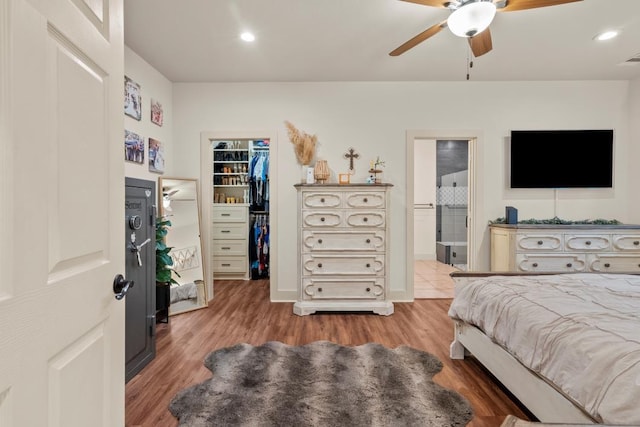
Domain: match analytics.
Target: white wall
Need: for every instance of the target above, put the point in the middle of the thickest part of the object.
(633, 159)
(373, 118)
(152, 85)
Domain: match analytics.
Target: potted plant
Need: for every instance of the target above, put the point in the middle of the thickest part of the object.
(164, 272)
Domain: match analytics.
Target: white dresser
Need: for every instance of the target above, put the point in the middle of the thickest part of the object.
(342, 248)
(229, 241)
(565, 248)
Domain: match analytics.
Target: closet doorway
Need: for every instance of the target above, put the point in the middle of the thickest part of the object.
(238, 214)
(439, 201)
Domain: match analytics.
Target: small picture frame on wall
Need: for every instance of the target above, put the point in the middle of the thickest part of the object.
(133, 147)
(157, 114)
(132, 99)
(156, 156)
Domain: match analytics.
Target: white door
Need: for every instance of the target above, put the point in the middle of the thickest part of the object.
(61, 213)
(424, 199)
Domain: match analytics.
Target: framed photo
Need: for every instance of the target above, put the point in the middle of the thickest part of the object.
(132, 99)
(157, 115)
(344, 178)
(133, 147)
(156, 156)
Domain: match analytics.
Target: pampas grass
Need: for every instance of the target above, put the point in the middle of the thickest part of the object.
(304, 145)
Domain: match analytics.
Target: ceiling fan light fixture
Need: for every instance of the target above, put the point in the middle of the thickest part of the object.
(471, 18)
(606, 35)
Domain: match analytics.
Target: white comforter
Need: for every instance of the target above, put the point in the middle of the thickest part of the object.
(579, 331)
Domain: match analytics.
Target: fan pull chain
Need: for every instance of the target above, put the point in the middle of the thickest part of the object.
(469, 62)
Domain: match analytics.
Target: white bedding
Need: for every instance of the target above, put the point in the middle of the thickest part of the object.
(579, 331)
(183, 292)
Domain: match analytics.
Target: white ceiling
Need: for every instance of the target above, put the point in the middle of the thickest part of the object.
(350, 40)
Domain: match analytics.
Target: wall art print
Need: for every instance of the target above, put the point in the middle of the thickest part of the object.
(157, 114)
(132, 99)
(133, 147)
(156, 156)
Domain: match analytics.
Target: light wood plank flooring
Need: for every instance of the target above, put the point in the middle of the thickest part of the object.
(431, 279)
(242, 312)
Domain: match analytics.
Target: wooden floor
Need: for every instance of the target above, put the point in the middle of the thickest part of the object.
(241, 312)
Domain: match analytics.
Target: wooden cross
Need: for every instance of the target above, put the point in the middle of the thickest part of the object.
(351, 154)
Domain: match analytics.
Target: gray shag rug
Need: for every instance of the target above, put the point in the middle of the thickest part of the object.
(320, 384)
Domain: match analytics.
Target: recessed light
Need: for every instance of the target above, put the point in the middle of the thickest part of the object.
(247, 36)
(606, 35)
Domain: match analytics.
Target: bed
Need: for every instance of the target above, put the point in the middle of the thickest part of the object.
(566, 345)
(189, 293)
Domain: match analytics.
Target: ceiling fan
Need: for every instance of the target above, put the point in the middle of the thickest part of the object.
(471, 19)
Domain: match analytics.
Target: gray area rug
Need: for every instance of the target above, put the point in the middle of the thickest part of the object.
(320, 384)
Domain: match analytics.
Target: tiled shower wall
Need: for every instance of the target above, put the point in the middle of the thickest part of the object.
(451, 195)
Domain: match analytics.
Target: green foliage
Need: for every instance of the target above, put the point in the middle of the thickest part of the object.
(556, 220)
(163, 259)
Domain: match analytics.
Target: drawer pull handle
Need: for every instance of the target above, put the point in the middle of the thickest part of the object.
(226, 265)
(225, 231)
(319, 289)
(588, 242)
(319, 265)
(368, 289)
(320, 241)
(636, 242)
(322, 200)
(365, 200)
(225, 248)
(569, 265)
(368, 265)
(607, 265)
(365, 219)
(322, 219)
(225, 214)
(535, 264)
(368, 240)
(540, 242)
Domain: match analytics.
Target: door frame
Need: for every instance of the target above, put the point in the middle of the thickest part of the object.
(473, 137)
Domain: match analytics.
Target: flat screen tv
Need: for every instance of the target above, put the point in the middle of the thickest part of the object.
(561, 158)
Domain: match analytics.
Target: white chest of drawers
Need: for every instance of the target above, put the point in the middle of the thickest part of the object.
(229, 245)
(343, 232)
(565, 248)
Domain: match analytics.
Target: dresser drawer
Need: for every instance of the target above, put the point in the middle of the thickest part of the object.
(614, 263)
(230, 247)
(343, 264)
(321, 219)
(539, 242)
(623, 242)
(365, 199)
(551, 262)
(230, 231)
(229, 264)
(229, 214)
(341, 289)
(321, 199)
(314, 241)
(365, 218)
(587, 243)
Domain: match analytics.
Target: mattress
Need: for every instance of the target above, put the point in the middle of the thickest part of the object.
(580, 332)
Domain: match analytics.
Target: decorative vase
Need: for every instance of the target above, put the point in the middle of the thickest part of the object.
(321, 171)
(303, 173)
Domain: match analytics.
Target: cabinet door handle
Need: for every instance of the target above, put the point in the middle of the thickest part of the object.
(588, 242)
(320, 241)
(368, 240)
(607, 265)
(535, 264)
(540, 242)
(319, 265)
(569, 264)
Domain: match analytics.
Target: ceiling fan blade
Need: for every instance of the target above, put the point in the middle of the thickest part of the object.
(434, 3)
(431, 31)
(481, 43)
(513, 5)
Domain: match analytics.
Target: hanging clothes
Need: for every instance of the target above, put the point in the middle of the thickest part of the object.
(259, 181)
(259, 246)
